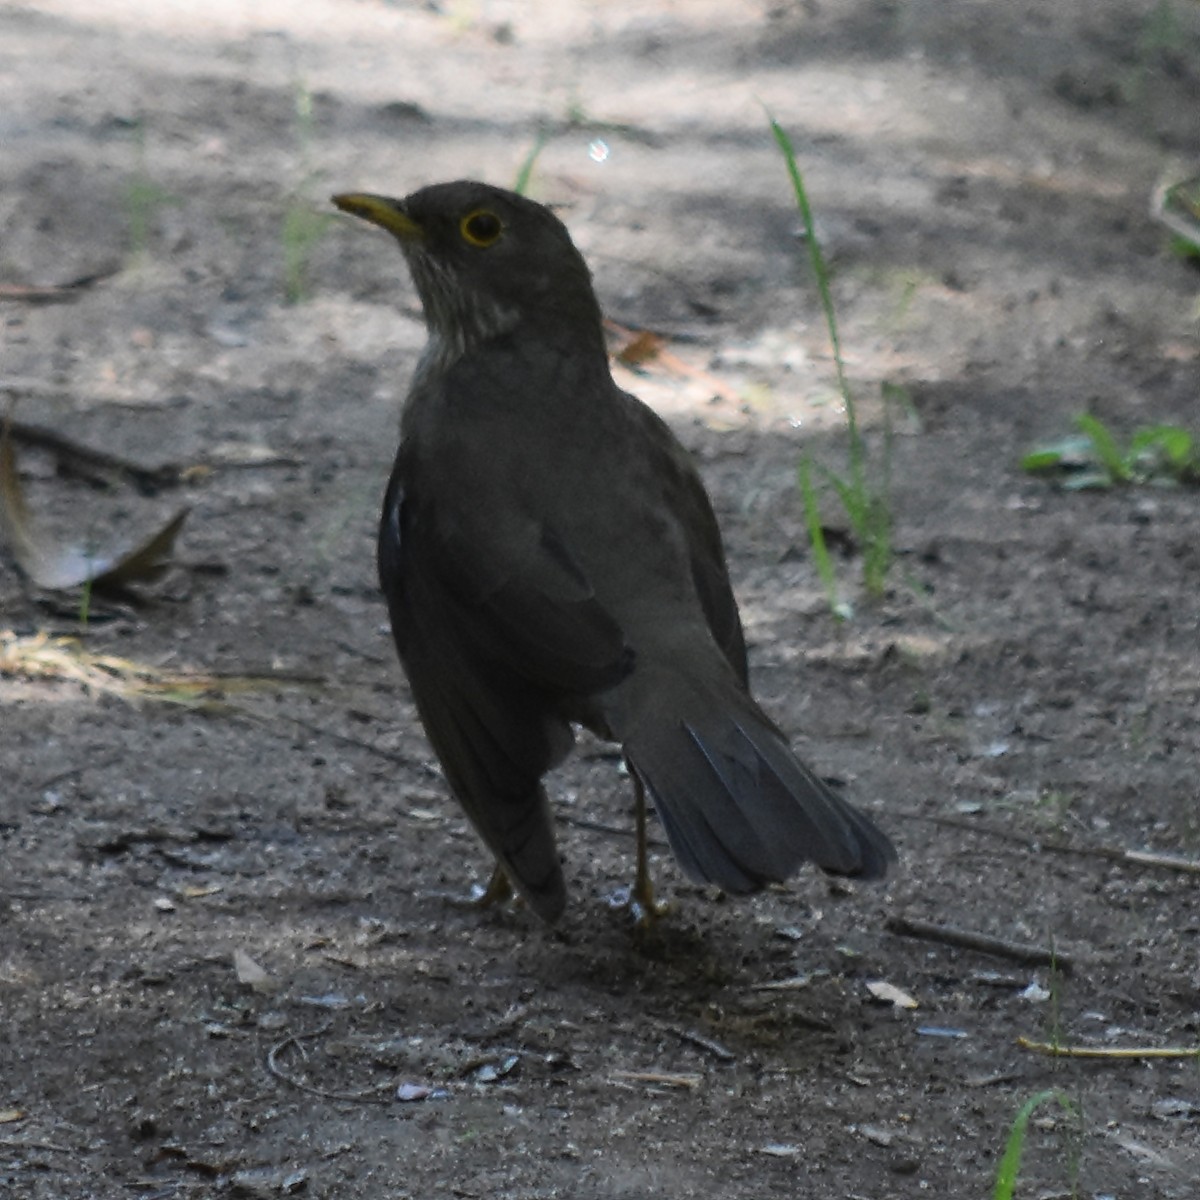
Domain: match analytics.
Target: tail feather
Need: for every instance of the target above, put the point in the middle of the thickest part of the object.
(740, 810)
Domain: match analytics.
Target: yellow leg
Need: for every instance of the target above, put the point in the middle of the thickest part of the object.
(642, 904)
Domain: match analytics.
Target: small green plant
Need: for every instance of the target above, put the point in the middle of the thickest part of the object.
(303, 224)
(1053, 806)
(85, 603)
(1054, 1014)
(1177, 206)
(525, 172)
(1161, 39)
(1165, 455)
(303, 229)
(1014, 1147)
(144, 199)
(865, 502)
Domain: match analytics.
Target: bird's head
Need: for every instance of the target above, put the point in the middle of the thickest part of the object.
(486, 261)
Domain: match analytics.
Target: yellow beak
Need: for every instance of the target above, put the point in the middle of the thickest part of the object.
(383, 211)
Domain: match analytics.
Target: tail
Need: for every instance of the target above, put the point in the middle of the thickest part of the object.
(740, 810)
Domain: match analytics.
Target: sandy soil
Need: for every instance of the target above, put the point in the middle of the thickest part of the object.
(230, 957)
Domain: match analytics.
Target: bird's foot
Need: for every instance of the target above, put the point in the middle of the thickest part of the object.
(498, 892)
(640, 903)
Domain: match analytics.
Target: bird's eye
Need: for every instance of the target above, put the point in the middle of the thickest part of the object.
(481, 227)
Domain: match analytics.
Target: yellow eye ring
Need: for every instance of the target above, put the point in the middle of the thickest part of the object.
(481, 228)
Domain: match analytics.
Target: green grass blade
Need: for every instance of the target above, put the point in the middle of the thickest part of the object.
(525, 174)
(1047, 458)
(1010, 1162)
(877, 554)
(852, 501)
(866, 504)
(821, 272)
(1172, 442)
(816, 538)
(1105, 446)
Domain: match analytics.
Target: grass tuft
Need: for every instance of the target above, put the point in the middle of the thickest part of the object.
(1014, 1147)
(144, 199)
(1162, 455)
(866, 502)
(304, 225)
(525, 172)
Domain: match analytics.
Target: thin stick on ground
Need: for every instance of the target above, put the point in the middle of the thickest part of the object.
(1142, 858)
(948, 935)
(1057, 1050)
(659, 1079)
(701, 1042)
(75, 454)
(375, 1096)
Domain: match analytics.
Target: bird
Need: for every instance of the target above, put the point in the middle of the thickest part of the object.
(551, 560)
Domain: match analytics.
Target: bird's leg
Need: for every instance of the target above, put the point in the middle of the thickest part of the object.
(642, 904)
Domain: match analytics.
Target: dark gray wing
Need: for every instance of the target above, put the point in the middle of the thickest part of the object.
(495, 638)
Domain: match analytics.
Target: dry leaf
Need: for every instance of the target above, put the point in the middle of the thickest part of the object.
(250, 973)
(56, 566)
(641, 348)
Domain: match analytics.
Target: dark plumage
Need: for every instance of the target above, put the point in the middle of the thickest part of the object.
(549, 556)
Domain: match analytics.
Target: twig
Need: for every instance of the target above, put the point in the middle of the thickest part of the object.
(1034, 956)
(52, 293)
(610, 830)
(53, 1147)
(1115, 1052)
(699, 1040)
(792, 984)
(660, 1078)
(66, 449)
(296, 1039)
(32, 897)
(595, 826)
(345, 739)
(71, 772)
(1171, 862)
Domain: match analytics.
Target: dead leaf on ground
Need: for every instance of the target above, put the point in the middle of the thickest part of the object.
(640, 348)
(56, 566)
(250, 973)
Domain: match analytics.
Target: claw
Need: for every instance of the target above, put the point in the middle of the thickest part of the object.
(645, 910)
(498, 892)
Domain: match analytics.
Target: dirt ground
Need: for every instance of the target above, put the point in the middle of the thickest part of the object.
(231, 960)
